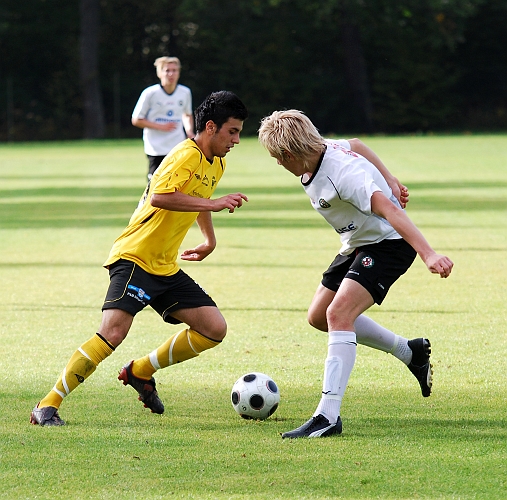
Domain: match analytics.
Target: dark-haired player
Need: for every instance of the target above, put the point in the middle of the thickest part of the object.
(142, 263)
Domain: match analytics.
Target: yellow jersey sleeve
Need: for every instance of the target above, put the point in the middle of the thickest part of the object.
(154, 235)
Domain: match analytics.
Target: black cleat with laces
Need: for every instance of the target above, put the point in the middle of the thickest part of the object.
(420, 365)
(318, 426)
(146, 389)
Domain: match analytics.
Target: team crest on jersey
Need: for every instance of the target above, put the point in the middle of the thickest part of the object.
(323, 203)
(367, 262)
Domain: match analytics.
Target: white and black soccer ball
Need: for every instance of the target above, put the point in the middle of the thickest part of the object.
(255, 396)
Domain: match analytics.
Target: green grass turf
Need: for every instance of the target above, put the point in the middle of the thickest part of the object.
(61, 207)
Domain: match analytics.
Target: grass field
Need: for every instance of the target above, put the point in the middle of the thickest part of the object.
(61, 207)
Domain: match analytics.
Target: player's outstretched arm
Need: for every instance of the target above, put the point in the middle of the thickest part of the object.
(201, 251)
(181, 202)
(436, 263)
(399, 190)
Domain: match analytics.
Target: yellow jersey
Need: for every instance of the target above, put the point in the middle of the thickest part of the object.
(153, 236)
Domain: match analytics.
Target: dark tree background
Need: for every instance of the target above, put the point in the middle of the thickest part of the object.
(75, 68)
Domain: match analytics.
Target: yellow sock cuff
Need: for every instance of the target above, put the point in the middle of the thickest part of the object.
(181, 346)
(199, 342)
(97, 349)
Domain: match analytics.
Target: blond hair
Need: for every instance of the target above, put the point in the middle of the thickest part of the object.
(160, 61)
(290, 131)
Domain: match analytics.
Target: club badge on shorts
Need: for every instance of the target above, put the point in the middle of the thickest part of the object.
(367, 262)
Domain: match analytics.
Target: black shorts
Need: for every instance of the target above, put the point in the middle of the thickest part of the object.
(153, 163)
(131, 289)
(376, 267)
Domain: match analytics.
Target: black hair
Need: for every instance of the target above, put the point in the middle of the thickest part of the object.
(219, 107)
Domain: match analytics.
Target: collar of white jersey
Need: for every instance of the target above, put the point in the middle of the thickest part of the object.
(309, 181)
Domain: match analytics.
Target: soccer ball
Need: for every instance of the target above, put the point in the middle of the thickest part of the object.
(255, 396)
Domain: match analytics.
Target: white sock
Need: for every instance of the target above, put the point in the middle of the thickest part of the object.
(341, 356)
(372, 334)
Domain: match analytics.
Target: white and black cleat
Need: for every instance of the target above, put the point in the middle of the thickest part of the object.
(318, 426)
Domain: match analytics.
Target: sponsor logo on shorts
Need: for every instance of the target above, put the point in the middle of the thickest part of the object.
(367, 262)
(323, 203)
(139, 295)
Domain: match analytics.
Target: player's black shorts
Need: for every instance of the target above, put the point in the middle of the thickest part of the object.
(131, 289)
(376, 267)
(153, 163)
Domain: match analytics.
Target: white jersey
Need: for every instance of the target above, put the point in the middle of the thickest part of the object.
(156, 105)
(340, 190)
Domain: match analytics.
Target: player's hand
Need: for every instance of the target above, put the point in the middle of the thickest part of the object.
(168, 126)
(400, 191)
(403, 199)
(439, 264)
(229, 201)
(198, 253)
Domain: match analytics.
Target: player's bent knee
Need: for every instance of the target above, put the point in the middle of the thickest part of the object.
(216, 330)
(339, 320)
(318, 321)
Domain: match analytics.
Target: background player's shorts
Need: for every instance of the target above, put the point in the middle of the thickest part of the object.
(131, 289)
(153, 164)
(376, 267)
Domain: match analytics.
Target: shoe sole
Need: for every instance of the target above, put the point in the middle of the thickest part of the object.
(329, 431)
(426, 349)
(429, 381)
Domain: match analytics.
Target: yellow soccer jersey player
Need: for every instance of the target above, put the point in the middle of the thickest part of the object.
(154, 235)
(142, 263)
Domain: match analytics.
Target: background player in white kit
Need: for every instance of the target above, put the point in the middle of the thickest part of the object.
(164, 112)
(351, 188)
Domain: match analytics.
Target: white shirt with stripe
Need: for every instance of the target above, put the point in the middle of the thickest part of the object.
(156, 105)
(340, 190)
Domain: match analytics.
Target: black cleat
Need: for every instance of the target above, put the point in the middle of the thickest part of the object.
(420, 365)
(146, 388)
(318, 426)
(48, 415)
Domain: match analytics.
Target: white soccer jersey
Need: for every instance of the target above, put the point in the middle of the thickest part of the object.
(340, 190)
(156, 105)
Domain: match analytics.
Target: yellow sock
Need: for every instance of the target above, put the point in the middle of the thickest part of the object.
(181, 346)
(80, 366)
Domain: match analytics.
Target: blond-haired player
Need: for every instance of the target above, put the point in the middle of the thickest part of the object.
(164, 112)
(350, 187)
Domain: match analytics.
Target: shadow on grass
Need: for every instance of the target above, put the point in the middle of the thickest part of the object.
(458, 429)
(275, 309)
(112, 207)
